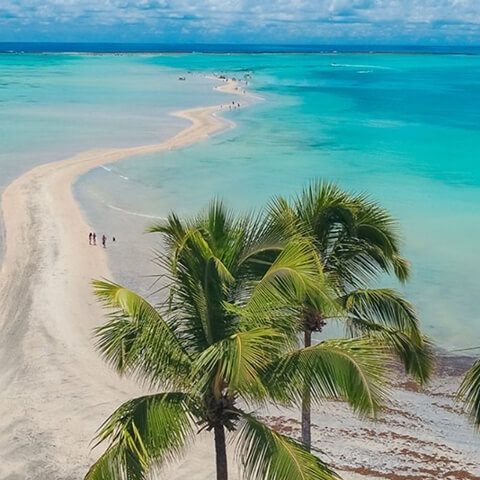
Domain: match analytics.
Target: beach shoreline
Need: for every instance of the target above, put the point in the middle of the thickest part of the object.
(56, 388)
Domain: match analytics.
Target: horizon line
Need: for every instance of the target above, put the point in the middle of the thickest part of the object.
(263, 44)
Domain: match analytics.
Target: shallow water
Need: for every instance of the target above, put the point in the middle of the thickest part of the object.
(404, 128)
(52, 106)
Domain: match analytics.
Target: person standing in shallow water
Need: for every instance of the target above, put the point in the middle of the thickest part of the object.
(104, 241)
(90, 235)
(94, 236)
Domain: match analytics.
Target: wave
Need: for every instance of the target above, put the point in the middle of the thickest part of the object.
(114, 172)
(385, 123)
(349, 65)
(136, 214)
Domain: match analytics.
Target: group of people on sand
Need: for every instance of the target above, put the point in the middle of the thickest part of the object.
(92, 239)
(232, 105)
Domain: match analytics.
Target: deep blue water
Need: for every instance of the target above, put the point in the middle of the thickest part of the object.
(49, 47)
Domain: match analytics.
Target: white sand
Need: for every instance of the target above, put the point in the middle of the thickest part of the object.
(56, 391)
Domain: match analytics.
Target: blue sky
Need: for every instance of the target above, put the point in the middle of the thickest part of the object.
(243, 21)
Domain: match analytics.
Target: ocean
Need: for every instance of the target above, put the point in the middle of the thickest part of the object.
(400, 124)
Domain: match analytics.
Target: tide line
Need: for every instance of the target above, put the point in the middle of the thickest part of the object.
(136, 214)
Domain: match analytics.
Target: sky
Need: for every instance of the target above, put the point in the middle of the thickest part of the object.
(428, 22)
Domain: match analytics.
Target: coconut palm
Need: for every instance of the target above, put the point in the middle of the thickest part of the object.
(357, 241)
(470, 392)
(222, 345)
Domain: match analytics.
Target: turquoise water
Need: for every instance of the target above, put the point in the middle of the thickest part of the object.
(404, 128)
(52, 106)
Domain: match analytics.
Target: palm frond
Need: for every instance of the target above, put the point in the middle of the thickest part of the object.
(202, 281)
(114, 464)
(172, 229)
(385, 314)
(323, 205)
(351, 370)
(144, 433)
(219, 223)
(268, 455)
(294, 277)
(137, 339)
(351, 265)
(470, 393)
(414, 352)
(375, 224)
(237, 360)
(355, 236)
(282, 215)
(401, 267)
(383, 306)
(263, 241)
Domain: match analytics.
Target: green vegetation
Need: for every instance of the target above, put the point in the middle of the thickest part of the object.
(357, 241)
(470, 393)
(224, 342)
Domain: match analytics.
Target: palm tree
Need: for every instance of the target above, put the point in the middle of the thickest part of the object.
(358, 242)
(223, 344)
(470, 392)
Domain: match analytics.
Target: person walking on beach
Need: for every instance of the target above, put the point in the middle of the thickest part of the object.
(94, 236)
(90, 235)
(104, 241)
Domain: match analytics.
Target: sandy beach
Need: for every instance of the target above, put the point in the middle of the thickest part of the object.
(56, 390)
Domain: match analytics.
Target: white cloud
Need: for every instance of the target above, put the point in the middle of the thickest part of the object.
(243, 20)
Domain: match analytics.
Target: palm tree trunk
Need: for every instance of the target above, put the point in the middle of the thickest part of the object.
(221, 452)
(306, 404)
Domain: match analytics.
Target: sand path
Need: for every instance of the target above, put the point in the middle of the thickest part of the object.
(55, 389)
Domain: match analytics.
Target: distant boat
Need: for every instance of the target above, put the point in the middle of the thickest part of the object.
(182, 78)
